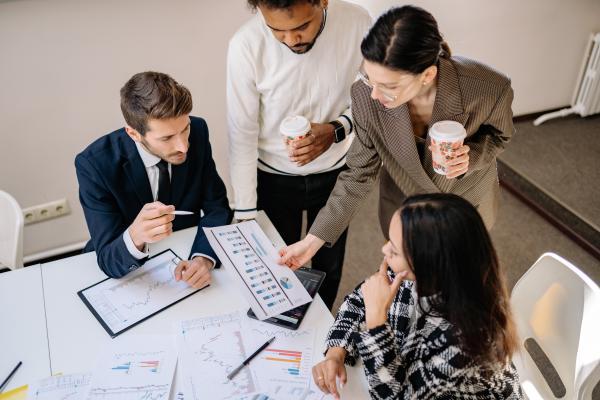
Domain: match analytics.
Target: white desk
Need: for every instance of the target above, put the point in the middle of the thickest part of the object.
(74, 336)
(23, 335)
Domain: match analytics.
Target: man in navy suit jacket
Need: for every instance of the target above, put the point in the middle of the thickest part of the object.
(161, 152)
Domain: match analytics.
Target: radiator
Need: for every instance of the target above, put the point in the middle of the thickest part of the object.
(586, 98)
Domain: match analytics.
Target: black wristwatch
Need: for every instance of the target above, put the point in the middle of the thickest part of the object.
(339, 132)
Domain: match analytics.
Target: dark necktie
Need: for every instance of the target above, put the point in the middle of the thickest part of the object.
(164, 182)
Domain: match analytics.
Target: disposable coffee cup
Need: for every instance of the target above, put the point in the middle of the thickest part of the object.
(294, 128)
(446, 137)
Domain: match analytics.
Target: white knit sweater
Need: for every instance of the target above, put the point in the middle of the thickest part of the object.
(267, 82)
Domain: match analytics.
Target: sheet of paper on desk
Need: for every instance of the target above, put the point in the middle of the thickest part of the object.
(284, 369)
(212, 347)
(209, 349)
(60, 387)
(177, 387)
(251, 260)
(18, 393)
(136, 367)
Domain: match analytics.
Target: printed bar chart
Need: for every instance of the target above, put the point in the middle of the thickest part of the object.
(250, 258)
(291, 359)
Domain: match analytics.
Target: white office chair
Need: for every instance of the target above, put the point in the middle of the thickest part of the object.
(558, 306)
(11, 232)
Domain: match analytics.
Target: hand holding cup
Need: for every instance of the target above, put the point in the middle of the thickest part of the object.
(449, 156)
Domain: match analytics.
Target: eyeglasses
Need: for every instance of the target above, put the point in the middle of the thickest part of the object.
(365, 80)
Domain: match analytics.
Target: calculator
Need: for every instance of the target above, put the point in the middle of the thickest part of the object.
(311, 280)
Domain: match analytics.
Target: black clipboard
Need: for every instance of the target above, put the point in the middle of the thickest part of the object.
(105, 325)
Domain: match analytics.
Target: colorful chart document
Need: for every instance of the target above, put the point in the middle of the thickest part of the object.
(284, 368)
(211, 347)
(250, 258)
(138, 368)
(119, 304)
(60, 387)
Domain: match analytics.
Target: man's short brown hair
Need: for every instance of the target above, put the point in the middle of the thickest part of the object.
(153, 95)
(279, 4)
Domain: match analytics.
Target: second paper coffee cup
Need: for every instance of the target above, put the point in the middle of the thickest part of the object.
(294, 127)
(446, 137)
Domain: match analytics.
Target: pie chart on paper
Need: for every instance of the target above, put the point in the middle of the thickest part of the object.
(285, 282)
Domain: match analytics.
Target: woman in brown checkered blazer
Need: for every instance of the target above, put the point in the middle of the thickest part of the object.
(409, 80)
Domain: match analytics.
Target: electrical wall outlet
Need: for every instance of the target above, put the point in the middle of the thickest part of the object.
(43, 212)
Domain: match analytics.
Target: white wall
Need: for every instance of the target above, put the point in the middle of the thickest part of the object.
(538, 43)
(62, 63)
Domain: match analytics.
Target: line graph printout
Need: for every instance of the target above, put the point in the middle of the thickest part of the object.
(177, 387)
(60, 387)
(138, 368)
(250, 258)
(121, 303)
(209, 349)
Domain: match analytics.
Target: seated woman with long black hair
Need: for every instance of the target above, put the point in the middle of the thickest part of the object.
(434, 322)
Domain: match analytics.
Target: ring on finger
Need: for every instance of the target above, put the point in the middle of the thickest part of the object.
(320, 378)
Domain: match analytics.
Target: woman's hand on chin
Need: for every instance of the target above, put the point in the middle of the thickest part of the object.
(378, 294)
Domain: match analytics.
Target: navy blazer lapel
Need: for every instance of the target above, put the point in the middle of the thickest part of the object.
(136, 172)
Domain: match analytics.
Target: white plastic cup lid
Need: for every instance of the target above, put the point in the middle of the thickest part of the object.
(449, 131)
(294, 126)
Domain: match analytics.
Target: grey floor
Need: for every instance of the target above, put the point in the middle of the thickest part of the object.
(520, 237)
(561, 158)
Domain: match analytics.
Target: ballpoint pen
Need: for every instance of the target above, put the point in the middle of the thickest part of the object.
(247, 360)
(177, 212)
(10, 376)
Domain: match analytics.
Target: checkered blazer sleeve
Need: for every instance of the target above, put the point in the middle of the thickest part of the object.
(378, 350)
(493, 135)
(422, 367)
(349, 316)
(352, 186)
(428, 364)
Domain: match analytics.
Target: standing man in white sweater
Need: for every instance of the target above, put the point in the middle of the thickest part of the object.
(294, 57)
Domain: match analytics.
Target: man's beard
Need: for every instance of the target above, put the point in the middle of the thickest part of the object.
(303, 48)
(308, 46)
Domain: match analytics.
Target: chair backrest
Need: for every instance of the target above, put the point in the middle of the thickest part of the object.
(11, 232)
(558, 306)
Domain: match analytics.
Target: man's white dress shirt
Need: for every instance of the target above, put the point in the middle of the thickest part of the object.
(150, 161)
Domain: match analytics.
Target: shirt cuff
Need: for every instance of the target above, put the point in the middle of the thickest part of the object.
(344, 120)
(209, 258)
(351, 353)
(245, 214)
(133, 250)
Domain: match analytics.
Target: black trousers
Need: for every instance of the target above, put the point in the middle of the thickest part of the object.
(284, 198)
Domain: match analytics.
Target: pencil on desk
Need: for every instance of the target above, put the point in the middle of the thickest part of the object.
(233, 373)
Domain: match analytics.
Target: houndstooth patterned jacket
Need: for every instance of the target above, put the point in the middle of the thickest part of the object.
(468, 92)
(415, 356)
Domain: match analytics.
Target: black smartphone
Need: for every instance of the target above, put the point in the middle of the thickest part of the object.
(311, 280)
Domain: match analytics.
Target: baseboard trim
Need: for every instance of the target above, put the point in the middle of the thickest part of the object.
(54, 254)
(553, 212)
(534, 115)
